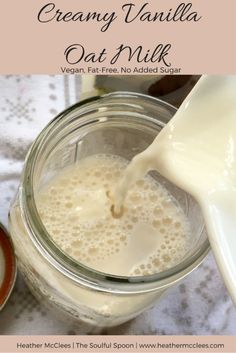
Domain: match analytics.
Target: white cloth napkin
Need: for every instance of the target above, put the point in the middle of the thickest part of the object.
(198, 305)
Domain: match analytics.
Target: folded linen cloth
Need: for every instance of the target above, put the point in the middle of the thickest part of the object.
(198, 305)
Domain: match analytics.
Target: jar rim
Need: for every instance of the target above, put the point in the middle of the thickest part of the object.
(65, 264)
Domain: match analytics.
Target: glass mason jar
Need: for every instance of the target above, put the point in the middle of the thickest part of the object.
(119, 123)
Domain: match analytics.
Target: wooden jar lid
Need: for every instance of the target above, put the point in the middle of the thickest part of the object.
(7, 266)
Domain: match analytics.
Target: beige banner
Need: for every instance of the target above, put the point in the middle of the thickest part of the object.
(118, 37)
(117, 344)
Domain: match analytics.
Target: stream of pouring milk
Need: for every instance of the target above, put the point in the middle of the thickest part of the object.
(197, 152)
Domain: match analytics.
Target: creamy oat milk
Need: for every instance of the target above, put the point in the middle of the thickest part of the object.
(152, 235)
(110, 217)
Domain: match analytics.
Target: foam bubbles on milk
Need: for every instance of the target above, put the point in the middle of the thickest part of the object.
(151, 236)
